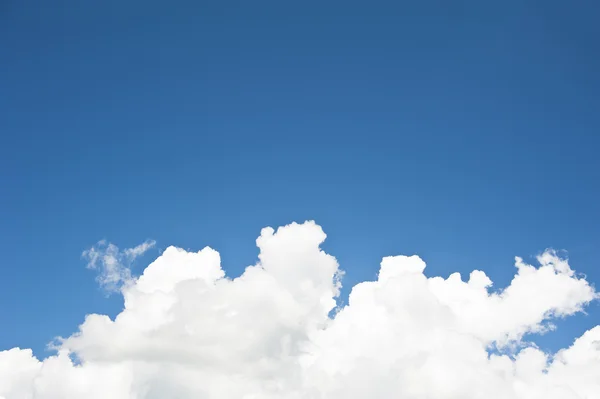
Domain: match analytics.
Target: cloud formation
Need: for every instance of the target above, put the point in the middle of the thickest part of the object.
(188, 331)
(112, 264)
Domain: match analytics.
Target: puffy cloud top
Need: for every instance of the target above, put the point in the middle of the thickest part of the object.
(188, 331)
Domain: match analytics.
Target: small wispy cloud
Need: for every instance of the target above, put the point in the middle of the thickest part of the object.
(114, 265)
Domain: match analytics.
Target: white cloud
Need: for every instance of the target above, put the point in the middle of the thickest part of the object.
(113, 265)
(187, 331)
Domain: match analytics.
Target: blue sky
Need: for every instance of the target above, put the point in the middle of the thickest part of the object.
(465, 133)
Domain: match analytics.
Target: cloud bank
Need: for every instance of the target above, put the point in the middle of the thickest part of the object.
(188, 331)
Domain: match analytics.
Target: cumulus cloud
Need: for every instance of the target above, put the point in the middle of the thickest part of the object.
(188, 331)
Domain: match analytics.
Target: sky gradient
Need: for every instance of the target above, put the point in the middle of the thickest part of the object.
(464, 133)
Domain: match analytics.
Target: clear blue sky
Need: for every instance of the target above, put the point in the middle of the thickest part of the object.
(466, 132)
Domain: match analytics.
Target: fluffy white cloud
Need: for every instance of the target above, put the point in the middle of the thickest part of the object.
(187, 331)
